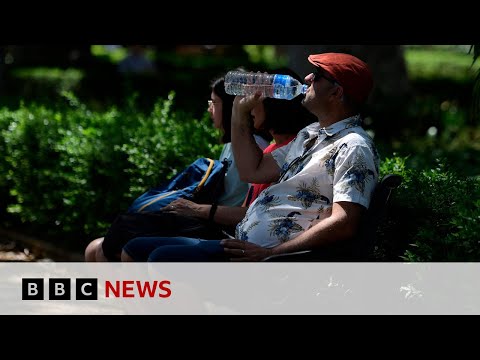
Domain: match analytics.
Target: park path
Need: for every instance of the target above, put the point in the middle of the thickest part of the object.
(22, 248)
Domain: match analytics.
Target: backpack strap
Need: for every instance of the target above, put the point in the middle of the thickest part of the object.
(207, 174)
(157, 199)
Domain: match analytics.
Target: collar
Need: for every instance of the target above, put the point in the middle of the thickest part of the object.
(347, 123)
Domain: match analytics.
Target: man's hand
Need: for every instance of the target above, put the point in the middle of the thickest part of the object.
(244, 251)
(245, 104)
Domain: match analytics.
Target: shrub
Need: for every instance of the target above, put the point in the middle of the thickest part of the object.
(433, 216)
(70, 170)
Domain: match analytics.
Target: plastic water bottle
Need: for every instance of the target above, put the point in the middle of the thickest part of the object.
(270, 85)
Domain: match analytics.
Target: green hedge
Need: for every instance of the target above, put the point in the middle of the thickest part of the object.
(67, 171)
(433, 216)
(70, 170)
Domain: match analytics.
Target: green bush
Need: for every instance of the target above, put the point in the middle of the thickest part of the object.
(433, 216)
(163, 143)
(67, 171)
(70, 170)
(458, 146)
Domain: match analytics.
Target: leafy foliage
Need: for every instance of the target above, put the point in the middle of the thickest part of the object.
(476, 89)
(436, 64)
(433, 216)
(70, 170)
(265, 55)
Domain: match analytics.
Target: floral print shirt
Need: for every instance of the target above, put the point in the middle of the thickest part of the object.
(319, 167)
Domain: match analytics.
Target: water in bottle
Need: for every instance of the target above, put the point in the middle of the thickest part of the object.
(270, 85)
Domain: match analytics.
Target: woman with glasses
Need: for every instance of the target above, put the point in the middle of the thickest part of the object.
(235, 190)
(323, 180)
(220, 109)
(283, 119)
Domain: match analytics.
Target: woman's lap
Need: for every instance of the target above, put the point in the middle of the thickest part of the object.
(178, 249)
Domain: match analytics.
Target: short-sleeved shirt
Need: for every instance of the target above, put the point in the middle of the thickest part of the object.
(235, 189)
(319, 167)
(256, 189)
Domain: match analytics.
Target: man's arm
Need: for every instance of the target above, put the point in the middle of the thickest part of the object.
(341, 225)
(253, 166)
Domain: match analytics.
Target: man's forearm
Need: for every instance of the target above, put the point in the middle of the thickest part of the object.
(325, 232)
(245, 150)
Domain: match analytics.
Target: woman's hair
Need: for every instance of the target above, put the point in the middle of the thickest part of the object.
(286, 116)
(218, 87)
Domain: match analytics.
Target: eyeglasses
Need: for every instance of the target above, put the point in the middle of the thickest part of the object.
(318, 75)
(211, 103)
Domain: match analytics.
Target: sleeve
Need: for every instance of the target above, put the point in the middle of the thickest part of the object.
(234, 189)
(224, 152)
(261, 142)
(280, 154)
(355, 176)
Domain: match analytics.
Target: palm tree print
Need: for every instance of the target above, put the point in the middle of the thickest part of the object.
(243, 234)
(354, 122)
(267, 201)
(329, 159)
(304, 135)
(295, 167)
(323, 210)
(376, 156)
(309, 194)
(358, 174)
(283, 227)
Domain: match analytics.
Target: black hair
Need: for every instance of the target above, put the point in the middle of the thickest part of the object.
(287, 116)
(218, 87)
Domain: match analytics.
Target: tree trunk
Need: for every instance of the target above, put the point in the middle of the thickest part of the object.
(387, 105)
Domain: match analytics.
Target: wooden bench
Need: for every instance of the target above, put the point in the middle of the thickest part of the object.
(360, 248)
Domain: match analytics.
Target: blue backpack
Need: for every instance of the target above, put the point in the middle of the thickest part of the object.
(201, 182)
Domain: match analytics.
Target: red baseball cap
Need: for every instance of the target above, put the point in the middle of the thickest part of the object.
(349, 71)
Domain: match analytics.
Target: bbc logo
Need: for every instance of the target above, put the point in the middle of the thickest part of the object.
(59, 289)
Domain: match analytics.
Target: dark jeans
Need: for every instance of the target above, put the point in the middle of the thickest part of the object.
(174, 249)
(129, 226)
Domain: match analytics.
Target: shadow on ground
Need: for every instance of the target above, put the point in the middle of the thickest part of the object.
(16, 247)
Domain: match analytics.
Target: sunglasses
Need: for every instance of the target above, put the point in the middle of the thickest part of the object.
(318, 75)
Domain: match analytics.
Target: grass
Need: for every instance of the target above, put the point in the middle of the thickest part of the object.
(440, 63)
(37, 80)
(49, 74)
(423, 63)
